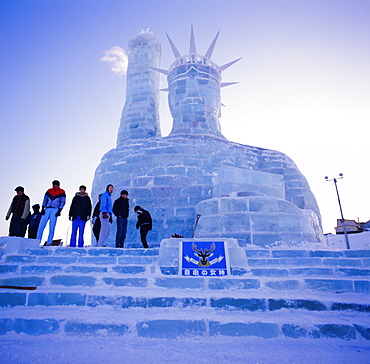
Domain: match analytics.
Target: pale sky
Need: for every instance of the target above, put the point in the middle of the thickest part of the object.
(304, 88)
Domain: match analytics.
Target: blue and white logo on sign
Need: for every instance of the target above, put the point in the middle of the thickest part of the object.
(203, 258)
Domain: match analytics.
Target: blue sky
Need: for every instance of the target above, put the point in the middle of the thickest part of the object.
(304, 87)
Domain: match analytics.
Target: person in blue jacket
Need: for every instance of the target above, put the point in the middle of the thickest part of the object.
(105, 214)
(52, 205)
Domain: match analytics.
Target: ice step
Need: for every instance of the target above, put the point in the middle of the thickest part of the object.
(120, 279)
(92, 251)
(131, 268)
(309, 262)
(325, 262)
(309, 272)
(188, 322)
(84, 259)
(46, 269)
(294, 253)
(229, 302)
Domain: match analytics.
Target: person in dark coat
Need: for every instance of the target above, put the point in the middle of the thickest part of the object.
(79, 213)
(20, 211)
(34, 222)
(96, 221)
(121, 211)
(144, 222)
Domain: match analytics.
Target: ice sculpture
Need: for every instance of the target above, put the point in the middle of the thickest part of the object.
(255, 195)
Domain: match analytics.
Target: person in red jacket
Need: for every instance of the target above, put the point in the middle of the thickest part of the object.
(54, 201)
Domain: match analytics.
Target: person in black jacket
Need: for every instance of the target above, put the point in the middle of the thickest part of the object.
(34, 222)
(96, 221)
(20, 211)
(121, 211)
(79, 213)
(144, 222)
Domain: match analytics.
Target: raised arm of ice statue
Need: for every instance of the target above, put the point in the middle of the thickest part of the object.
(140, 116)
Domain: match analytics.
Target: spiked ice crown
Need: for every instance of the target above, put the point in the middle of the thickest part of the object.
(194, 57)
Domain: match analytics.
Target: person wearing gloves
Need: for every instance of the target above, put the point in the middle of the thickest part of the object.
(52, 205)
(144, 222)
(20, 211)
(105, 215)
(79, 214)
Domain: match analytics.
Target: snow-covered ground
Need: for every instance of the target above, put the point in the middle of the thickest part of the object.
(20, 348)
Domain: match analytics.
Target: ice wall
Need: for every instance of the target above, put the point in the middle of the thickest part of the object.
(253, 194)
(173, 177)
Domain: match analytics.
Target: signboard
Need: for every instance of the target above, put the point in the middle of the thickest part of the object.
(203, 259)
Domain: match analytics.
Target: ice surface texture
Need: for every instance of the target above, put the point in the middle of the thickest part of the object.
(253, 194)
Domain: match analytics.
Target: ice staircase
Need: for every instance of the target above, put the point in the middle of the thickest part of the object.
(107, 291)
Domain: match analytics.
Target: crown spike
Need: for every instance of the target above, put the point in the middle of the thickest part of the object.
(212, 46)
(160, 70)
(192, 41)
(224, 84)
(175, 52)
(227, 65)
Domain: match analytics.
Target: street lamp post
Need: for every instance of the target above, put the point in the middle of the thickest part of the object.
(340, 207)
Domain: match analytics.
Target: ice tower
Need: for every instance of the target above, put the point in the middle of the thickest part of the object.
(255, 195)
(140, 117)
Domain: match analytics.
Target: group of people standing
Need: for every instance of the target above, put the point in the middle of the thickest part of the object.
(104, 211)
(79, 213)
(52, 205)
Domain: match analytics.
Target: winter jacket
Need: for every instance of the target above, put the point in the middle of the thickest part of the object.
(121, 207)
(96, 210)
(80, 206)
(106, 203)
(35, 220)
(96, 221)
(20, 206)
(55, 198)
(143, 218)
